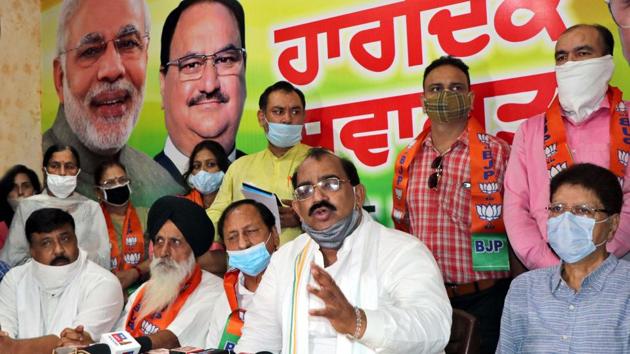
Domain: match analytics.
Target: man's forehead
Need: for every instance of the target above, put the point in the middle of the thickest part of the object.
(61, 230)
(122, 17)
(579, 37)
(446, 74)
(313, 170)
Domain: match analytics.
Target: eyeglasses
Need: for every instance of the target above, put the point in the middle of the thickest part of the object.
(226, 62)
(434, 178)
(129, 46)
(330, 184)
(555, 209)
(114, 182)
(620, 10)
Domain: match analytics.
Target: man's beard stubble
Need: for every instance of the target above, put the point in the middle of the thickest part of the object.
(165, 283)
(115, 135)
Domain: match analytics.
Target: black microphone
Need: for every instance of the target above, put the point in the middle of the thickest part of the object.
(97, 349)
(145, 343)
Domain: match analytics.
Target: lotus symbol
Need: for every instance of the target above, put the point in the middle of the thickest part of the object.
(131, 241)
(623, 157)
(550, 150)
(483, 138)
(489, 188)
(132, 258)
(489, 212)
(557, 168)
(398, 192)
(148, 328)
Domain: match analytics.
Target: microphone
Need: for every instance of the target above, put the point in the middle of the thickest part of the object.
(120, 342)
(99, 348)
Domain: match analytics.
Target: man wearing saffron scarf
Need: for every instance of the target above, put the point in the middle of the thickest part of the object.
(59, 287)
(447, 193)
(348, 285)
(174, 306)
(586, 122)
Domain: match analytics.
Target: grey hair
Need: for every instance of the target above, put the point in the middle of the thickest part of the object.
(69, 8)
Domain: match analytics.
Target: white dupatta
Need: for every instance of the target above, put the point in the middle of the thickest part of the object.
(357, 281)
(39, 279)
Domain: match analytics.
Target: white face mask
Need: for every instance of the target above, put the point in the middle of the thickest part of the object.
(582, 85)
(61, 186)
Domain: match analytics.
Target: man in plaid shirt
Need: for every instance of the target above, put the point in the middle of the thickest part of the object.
(436, 180)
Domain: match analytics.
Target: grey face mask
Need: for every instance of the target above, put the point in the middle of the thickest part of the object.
(333, 236)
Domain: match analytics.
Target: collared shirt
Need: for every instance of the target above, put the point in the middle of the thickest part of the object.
(89, 227)
(412, 313)
(192, 321)
(98, 301)
(527, 184)
(264, 170)
(542, 314)
(180, 160)
(222, 310)
(441, 218)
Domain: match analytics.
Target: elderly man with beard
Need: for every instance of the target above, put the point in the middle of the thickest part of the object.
(58, 288)
(348, 284)
(99, 75)
(174, 307)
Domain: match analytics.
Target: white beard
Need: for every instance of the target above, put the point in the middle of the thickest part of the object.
(116, 131)
(166, 280)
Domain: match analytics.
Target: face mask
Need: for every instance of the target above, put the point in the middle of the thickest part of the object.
(117, 196)
(284, 135)
(571, 236)
(13, 202)
(61, 186)
(206, 182)
(55, 277)
(333, 236)
(250, 261)
(582, 85)
(448, 106)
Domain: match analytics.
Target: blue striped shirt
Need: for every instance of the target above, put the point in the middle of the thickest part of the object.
(542, 314)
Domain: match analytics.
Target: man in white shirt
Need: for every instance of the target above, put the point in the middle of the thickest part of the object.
(58, 288)
(61, 168)
(347, 285)
(173, 308)
(248, 231)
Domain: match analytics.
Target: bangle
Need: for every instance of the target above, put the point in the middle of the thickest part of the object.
(358, 324)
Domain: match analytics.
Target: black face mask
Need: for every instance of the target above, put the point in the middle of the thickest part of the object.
(118, 196)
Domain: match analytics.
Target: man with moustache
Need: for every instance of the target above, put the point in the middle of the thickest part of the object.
(586, 122)
(202, 79)
(620, 10)
(58, 288)
(348, 284)
(99, 75)
(175, 305)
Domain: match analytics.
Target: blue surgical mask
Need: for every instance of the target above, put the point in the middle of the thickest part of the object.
(206, 182)
(251, 261)
(284, 135)
(571, 236)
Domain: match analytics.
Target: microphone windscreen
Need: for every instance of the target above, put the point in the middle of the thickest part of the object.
(97, 349)
(145, 343)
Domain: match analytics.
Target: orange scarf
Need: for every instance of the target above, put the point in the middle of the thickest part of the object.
(160, 320)
(195, 197)
(486, 199)
(557, 151)
(234, 323)
(132, 251)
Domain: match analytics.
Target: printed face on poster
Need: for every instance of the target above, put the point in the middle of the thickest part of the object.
(359, 63)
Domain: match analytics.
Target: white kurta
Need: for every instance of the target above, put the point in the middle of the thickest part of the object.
(389, 274)
(91, 297)
(222, 310)
(90, 228)
(192, 321)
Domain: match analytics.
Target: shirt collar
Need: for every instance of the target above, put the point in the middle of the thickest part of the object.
(595, 280)
(461, 139)
(180, 160)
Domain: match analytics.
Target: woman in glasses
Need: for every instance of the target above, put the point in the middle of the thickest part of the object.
(125, 224)
(581, 305)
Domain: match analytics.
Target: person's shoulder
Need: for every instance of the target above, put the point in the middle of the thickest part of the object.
(211, 281)
(533, 279)
(95, 273)
(291, 248)
(15, 274)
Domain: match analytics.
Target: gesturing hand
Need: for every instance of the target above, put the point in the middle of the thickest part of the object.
(337, 309)
(74, 337)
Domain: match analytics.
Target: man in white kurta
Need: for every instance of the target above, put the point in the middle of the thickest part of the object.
(349, 284)
(58, 288)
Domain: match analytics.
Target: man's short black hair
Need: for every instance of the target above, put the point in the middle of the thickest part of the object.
(47, 220)
(283, 86)
(57, 148)
(608, 41)
(594, 178)
(318, 153)
(447, 60)
(265, 214)
(173, 18)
